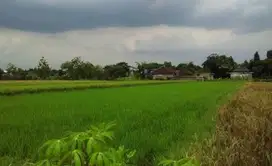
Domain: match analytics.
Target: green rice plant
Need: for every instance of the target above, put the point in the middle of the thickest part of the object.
(154, 119)
(89, 148)
(10, 88)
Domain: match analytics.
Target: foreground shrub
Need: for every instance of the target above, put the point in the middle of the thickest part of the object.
(89, 148)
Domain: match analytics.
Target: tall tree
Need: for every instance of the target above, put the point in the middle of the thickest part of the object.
(167, 64)
(15, 73)
(269, 54)
(72, 68)
(11, 69)
(256, 57)
(98, 72)
(144, 68)
(140, 71)
(245, 64)
(118, 70)
(86, 69)
(188, 68)
(125, 69)
(1, 73)
(43, 69)
(220, 65)
(110, 72)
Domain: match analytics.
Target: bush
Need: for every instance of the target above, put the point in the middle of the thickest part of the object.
(89, 148)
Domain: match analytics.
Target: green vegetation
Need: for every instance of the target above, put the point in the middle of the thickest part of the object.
(150, 119)
(18, 87)
(89, 148)
(78, 69)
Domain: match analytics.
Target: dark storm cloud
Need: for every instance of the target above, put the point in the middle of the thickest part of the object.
(42, 18)
(49, 17)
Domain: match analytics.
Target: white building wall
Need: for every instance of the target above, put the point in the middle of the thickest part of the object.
(236, 75)
(160, 76)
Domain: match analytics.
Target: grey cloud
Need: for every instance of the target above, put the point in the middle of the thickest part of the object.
(44, 18)
(56, 16)
(232, 21)
(111, 45)
(175, 56)
(249, 16)
(122, 30)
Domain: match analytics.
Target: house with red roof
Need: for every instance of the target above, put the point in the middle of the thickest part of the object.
(165, 73)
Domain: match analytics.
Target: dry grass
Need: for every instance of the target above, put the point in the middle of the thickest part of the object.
(244, 131)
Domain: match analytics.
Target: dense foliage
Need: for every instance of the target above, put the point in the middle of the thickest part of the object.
(77, 69)
(220, 65)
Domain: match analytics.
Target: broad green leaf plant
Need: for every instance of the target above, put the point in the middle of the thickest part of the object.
(89, 148)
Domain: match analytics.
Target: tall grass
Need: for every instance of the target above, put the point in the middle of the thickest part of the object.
(151, 119)
(244, 131)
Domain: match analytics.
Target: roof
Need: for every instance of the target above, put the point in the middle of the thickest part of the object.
(241, 69)
(164, 70)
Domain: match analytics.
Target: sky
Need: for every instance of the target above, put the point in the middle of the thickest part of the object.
(110, 31)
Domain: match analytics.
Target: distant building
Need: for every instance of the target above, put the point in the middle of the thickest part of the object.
(165, 73)
(241, 73)
(205, 76)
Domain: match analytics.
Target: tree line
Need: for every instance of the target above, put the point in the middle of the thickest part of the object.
(77, 69)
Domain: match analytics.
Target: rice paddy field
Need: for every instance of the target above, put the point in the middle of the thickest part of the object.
(160, 118)
(19, 87)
